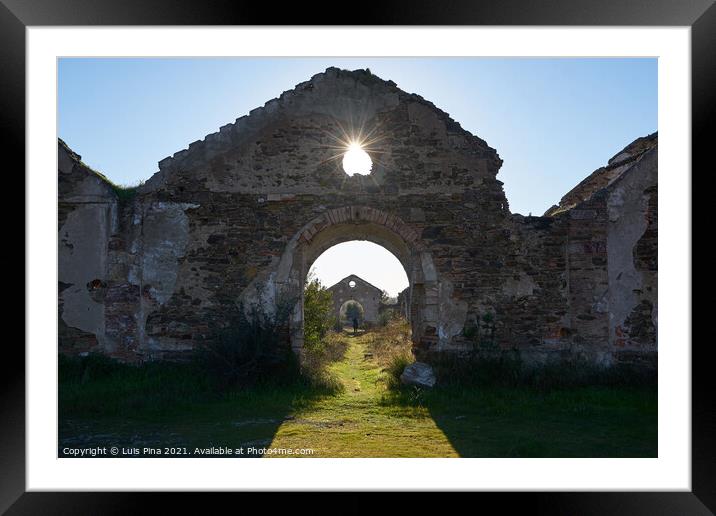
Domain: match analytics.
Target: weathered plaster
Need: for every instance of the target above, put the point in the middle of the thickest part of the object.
(240, 217)
(627, 208)
(164, 241)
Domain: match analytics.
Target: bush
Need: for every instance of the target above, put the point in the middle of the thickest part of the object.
(482, 368)
(396, 365)
(392, 348)
(250, 348)
(318, 318)
(354, 311)
(384, 317)
(315, 361)
(506, 368)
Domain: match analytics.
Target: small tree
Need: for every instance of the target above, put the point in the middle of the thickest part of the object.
(318, 316)
(384, 317)
(247, 347)
(385, 297)
(353, 311)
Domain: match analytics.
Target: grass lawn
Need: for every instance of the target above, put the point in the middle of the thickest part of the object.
(362, 418)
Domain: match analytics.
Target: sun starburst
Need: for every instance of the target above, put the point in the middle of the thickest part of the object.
(357, 148)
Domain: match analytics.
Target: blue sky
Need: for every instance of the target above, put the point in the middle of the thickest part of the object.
(552, 120)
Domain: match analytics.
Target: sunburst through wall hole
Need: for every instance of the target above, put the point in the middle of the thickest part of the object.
(357, 161)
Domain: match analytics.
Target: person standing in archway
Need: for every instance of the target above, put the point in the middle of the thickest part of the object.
(355, 325)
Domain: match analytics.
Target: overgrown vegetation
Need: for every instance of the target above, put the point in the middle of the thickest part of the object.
(124, 193)
(489, 365)
(391, 348)
(385, 316)
(320, 345)
(354, 311)
(481, 332)
(96, 385)
(318, 318)
(370, 419)
(249, 353)
(345, 404)
(249, 348)
(507, 368)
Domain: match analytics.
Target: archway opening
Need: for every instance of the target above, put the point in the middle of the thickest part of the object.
(369, 261)
(365, 281)
(420, 301)
(351, 312)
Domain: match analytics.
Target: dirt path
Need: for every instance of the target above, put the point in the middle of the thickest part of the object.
(355, 423)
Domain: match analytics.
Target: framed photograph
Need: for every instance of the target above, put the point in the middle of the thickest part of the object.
(414, 252)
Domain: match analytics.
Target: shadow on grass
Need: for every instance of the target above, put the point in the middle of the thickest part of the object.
(169, 409)
(523, 422)
(547, 413)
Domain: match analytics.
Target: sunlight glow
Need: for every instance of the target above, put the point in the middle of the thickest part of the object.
(357, 161)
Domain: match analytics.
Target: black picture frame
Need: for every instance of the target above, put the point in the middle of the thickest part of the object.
(16, 15)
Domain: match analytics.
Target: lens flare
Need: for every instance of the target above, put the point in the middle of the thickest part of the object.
(357, 161)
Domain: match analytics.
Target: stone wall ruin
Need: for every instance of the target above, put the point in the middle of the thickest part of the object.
(241, 215)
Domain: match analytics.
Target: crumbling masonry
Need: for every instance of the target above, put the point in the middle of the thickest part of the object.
(241, 216)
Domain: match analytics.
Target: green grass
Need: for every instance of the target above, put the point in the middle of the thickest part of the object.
(357, 413)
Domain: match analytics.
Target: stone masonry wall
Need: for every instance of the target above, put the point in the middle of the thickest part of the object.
(87, 216)
(233, 218)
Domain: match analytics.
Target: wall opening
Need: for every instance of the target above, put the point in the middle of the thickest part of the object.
(369, 261)
(357, 161)
(370, 226)
(361, 272)
(351, 309)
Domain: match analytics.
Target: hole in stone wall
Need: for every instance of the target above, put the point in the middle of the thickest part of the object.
(352, 284)
(357, 161)
(95, 284)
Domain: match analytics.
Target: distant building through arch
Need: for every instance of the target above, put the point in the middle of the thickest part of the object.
(355, 288)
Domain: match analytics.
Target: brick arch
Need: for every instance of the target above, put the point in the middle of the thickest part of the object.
(348, 223)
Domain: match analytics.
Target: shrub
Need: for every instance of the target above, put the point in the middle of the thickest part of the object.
(384, 317)
(396, 365)
(318, 318)
(354, 311)
(250, 348)
(481, 367)
(392, 348)
(315, 361)
(506, 368)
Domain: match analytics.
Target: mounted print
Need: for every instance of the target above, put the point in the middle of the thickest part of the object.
(379, 257)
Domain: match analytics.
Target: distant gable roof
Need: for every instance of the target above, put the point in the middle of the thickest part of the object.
(356, 279)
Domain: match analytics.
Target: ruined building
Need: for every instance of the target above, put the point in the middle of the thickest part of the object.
(354, 288)
(242, 214)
